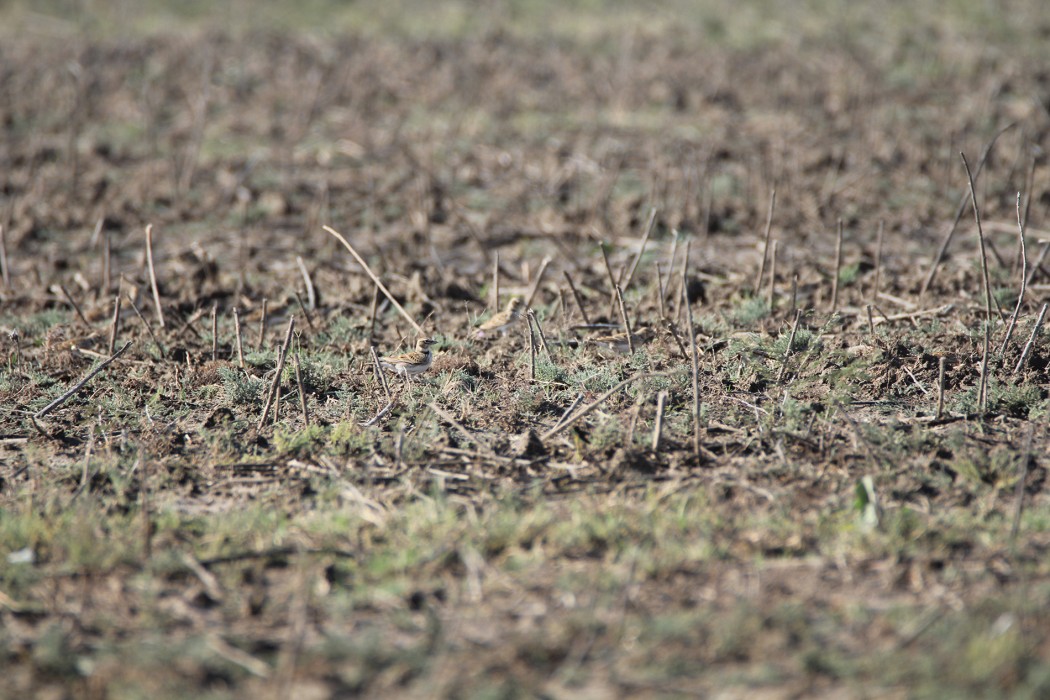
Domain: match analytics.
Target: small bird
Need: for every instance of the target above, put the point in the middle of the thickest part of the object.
(412, 363)
(503, 320)
(618, 341)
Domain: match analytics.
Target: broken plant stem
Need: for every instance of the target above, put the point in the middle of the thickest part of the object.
(80, 385)
(984, 255)
(378, 282)
(959, 211)
(626, 321)
(262, 326)
(115, 325)
(562, 425)
(302, 392)
(539, 330)
(940, 385)
(74, 304)
(153, 275)
(838, 270)
(277, 374)
(694, 360)
(661, 399)
(790, 344)
(237, 332)
(378, 369)
(576, 296)
(1031, 340)
(765, 246)
(311, 293)
(1024, 280)
(214, 331)
(641, 249)
(536, 282)
(149, 328)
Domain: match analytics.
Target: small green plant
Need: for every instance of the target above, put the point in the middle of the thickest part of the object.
(242, 389)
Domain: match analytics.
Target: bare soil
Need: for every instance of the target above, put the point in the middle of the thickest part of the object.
(454, 547)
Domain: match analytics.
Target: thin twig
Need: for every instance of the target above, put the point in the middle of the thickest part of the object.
(694, 360)
(661, 399)
(115, 325)
(959, 211)
(79, 385)
(306, 312)
(982, 393)
(378, 282)
(378, 416)
(214, 331)
(539, 330)
(612, 277)
(940, 385)
(838, 268)
(237, 332)
(378, 369)
(302, 392)
(562, 425)
(1031, 341)
(568, 411)
(980, 239)
(74, 304)
(771, 298)
(262, 325)
(670, 267)
(277, 374)
(536, 282)
(311, 293)
(790, 343)
(1037, 266)
(641, 248)
(532, 348)
(937, 311)
(576, 296)
(623, 318)
(1024, 282)
(153, 275)
(765, 246)
(372, 315)
(149, 328)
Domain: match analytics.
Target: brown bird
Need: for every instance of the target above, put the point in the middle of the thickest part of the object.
(618, 341)
(503, 320)
(411, 363)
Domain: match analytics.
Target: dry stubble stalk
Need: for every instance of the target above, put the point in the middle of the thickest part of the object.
(277, 374)
(765, 246)
(1024, 278)
(375, 278)
(153, 275)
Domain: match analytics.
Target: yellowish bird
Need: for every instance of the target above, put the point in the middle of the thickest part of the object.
(503, 320)
(410, 364)
(618, 341)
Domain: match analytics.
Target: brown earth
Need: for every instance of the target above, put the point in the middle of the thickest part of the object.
(432, 156)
